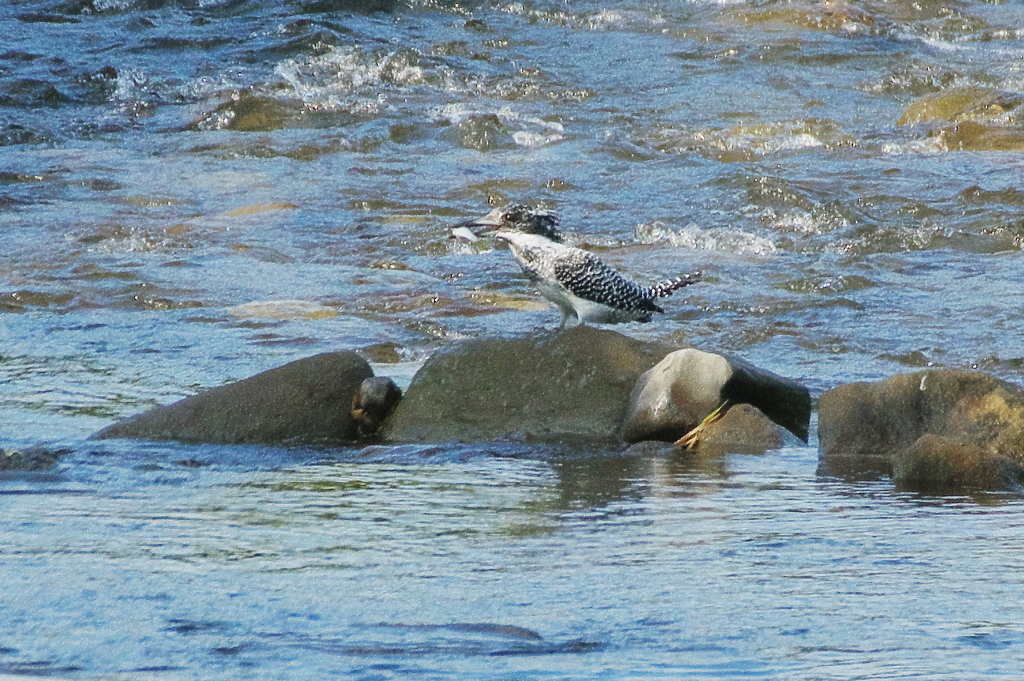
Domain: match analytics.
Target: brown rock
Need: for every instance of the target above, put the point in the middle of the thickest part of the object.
(812, 16)
(970, 136)
(937, 464)
(969, 103)
(875, 425)
(308, 401)
(249, 112)
(743, 430)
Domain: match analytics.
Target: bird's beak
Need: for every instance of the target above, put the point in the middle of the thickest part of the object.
(478, 228)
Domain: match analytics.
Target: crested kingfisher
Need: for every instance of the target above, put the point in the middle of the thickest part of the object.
(582, 287)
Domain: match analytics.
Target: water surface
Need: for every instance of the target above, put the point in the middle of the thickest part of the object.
(192, 192)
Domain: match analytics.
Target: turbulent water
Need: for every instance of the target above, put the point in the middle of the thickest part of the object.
(193, 191)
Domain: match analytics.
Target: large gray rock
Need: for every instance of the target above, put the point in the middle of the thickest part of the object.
(928, 430)
(576, 382)
(676, 395)
(308, 401)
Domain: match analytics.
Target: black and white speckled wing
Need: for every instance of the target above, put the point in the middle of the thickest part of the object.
(584, 275)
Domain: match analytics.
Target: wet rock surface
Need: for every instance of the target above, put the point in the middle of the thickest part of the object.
(308, 401)
(576, 382)
(941, 464)
(929, 430)
(970, 103)
(983, 118)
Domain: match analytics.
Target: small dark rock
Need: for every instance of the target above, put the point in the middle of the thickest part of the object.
(373, 402)
(383, 353)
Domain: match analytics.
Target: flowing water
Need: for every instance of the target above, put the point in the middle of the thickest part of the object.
(192, 191)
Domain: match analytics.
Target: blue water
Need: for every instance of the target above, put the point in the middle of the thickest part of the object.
(192, 192)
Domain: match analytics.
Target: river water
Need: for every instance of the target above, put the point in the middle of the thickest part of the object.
(193, 191)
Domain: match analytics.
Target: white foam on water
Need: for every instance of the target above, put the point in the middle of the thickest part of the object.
(707, 239)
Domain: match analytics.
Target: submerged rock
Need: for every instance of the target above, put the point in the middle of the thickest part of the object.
(36, 458)
(481, 132)
(932, 429)
(813, 16)
(969, 103)
(679, 393)
(970, 136)
(575, 382)
(249, 112)
(308, 401)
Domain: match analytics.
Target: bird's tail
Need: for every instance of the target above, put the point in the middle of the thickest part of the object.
(670, 286)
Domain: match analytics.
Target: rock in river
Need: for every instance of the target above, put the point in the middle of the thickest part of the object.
(579, 382)
(575, 383)
(568, 384)
(932, 430)
(308, 401)
(37, 458)
(958, 104)
(936, 463)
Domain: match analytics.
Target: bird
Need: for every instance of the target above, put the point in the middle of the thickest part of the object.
(582, 287)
